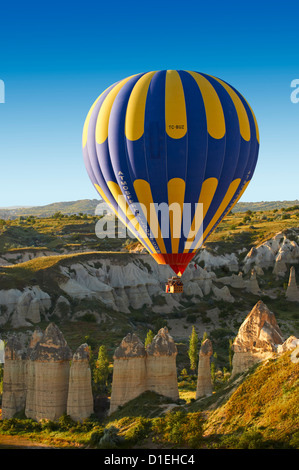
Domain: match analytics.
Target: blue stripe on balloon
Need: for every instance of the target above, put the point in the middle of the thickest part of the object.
(155, 144)
(136, 156)
(118, 153)
(249, 166)
(234, 150)
(197, 146)
(96, 153)
(92, 161)
(108, 194)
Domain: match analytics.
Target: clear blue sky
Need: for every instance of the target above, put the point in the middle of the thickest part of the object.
(57, 57)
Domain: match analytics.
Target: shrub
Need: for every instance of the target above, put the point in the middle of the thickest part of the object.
(248, 440)
(89, 317)
(66, 422)
(139, 430)
(18, 426)
(111, 439)
(179, 428)
(96, 436)
(48, 425)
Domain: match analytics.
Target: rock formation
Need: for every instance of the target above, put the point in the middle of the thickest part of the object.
(30, 374)
(295, 355)
(211, 261)
(14, 379)
(161, 365)
(292, 292)
(137, 370)
(291, 343)
(223, 294)
(40, 382)
(49, 384)
(80, 398)
(275, 253)
(127, 281)
(31, 304)
(129, 371)
(252, 284)
(257, 339)
(204, 382)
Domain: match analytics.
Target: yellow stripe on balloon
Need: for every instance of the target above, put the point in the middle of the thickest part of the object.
(103, 195)
(86, 123)
(101, 192)
(144, 196)
(214, 111)
(105, 110)
(176, 196)
(121, 201)
(241, 111)
(221, 209)
(175, 106)
(207, 192)
(134, 125)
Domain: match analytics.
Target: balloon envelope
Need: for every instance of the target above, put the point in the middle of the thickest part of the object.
(171, 152)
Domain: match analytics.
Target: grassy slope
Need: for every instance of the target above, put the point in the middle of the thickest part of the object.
(266, 402)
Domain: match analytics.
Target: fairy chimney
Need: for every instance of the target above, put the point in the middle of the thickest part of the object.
(80, 398)
(253, 285)
(204, 382)
(161, 365)
(30, 374)
(51, 358)
(257, 339)
(292, 292)
(129, 371)
(14, 378)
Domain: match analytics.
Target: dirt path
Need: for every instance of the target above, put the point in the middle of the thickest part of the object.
(16, 442)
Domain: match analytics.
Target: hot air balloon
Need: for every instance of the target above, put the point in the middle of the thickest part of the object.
(171, 138)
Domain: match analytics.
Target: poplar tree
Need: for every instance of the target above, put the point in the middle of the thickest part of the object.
(193, 349)
(101, 371)
(149, 338)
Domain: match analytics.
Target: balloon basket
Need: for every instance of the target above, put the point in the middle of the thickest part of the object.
(174, 286)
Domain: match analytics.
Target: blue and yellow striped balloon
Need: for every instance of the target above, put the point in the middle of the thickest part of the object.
(170, 137)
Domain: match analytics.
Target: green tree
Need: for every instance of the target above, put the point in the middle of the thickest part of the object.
(101, 371)
(193, 349)
(205, 336)
(214, 366)
(149, 338)
(57, 215)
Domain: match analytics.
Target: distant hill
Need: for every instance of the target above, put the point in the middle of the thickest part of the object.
(88, 206)
(264, 205)
(84, 206)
